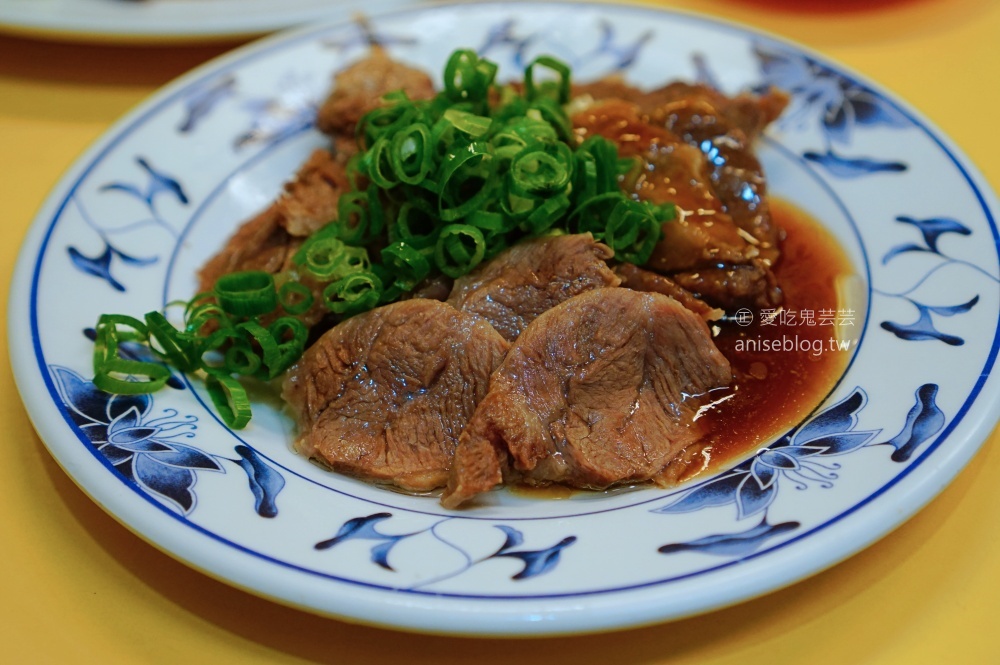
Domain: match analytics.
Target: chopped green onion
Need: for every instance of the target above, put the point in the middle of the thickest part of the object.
(246, 293)
(591, 216)
(229, 398)
(270, 354)
(561, 85)
(466, 179)
(537, 170)
(467, 78)
(325, 256)
(178, 348)
(118, 375)
(491, 222)
(295, 298)
(353, 221)
(415, 226)
(202, 313)
(291, 335)
(358, 292)
(459, 249)
(410, 156)
(469, 123)
(240, 358)
(406, 263)
(547, 214)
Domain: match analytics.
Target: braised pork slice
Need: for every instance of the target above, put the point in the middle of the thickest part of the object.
(267, 242)
(725, 128)
(639, 279)
(749, 113)
(600, 390)
(359, 88)
(523, 281)
(384, 395)
(696, 150)
(261, 243)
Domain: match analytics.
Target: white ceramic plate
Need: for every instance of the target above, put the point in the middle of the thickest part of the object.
(126, 228)
(169, 20)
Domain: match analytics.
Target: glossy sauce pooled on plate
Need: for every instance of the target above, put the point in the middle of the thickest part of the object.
(785, 368)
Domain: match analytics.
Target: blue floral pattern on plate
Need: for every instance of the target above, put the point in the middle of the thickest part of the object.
(143, 210)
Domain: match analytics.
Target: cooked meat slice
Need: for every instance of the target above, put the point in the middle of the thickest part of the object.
(608, 87)
(268, 241)
(638, 279)
(725, 128)
(262, 243)
(599, 390)
(698, 111)
(359, 88)
(749, 113)
(435, 287)
(697, 153)
(703, 239)
(703, 233)
(747, 285)
(384, 395)
(309, 201)
(531, 277)
(674, 171)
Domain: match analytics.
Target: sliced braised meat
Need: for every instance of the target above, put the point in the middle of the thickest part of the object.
(435, 287)
(309, 200)
(601, 389)
(701, 112)
(693, 241)
(677, 104)
(384, 395)
(268, 241)
(262, 243)
(531, 277)
(697, 153)
(674, 171)
(638, 279)
(359, 88)
(724, 128)
(748, 285)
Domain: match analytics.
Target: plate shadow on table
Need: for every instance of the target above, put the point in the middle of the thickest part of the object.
(756, 625)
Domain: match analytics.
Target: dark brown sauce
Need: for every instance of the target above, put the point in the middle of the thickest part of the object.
(774, 389)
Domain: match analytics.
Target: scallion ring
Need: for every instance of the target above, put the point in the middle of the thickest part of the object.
(246, 293)
(229, 398)
(295, 297)
(406, 263)
(358, 292)
(459, 249)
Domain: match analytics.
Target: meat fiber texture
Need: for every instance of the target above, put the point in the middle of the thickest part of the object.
(267, 242)
(384, 395)
(360, 87)
(600, 390)
(533, 276)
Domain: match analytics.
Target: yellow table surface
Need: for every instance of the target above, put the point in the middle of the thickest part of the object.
(78, 587)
